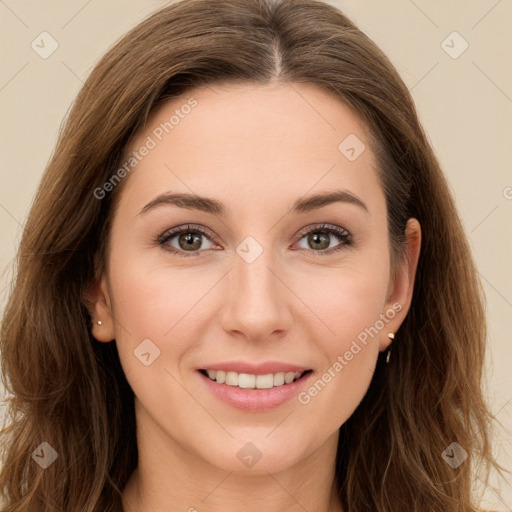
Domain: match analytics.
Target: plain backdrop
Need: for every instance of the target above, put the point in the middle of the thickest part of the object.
(453, 55)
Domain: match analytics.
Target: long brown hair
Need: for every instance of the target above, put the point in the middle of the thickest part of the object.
(70, 391)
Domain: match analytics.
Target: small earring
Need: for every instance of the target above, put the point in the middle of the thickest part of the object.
(391, 336)
(99, 322)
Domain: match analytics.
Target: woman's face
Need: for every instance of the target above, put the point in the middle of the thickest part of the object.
(259, 283)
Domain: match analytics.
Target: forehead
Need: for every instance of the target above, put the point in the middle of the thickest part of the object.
(256, 143)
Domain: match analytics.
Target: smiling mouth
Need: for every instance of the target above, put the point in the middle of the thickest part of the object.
(251, 381)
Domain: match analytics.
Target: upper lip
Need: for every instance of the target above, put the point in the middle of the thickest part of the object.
(255, 369)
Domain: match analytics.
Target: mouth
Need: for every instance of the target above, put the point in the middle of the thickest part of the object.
(254, 387)
(253, 381)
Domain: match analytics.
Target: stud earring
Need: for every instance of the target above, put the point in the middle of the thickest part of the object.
(391, 336)
(99, 322)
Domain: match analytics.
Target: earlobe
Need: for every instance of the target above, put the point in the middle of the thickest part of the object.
(391, 336)
(97, 300)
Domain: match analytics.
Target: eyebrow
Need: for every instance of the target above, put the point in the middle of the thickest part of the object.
(215, 207)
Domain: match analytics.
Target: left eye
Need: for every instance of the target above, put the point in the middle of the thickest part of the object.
(320, 237)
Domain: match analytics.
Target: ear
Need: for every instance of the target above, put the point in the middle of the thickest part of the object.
(97, 300)
(401, 284)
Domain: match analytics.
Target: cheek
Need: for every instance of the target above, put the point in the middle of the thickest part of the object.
(159, 304)
(152, 301)
(150, 294)
(349, 302)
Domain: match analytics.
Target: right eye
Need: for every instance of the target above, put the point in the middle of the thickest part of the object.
(188, 240)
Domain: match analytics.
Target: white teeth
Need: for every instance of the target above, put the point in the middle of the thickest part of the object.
(278, 379)
(288, 377)
(246, 381)
(232, 379)
(265, 381)
(250, 381)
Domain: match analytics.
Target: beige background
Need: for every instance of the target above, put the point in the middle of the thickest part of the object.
(465, 104)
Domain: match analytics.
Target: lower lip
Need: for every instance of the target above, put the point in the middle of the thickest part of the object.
(255, 400)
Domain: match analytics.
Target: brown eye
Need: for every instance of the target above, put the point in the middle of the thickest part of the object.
(185, 240)
(190, 241)
(322, 239)
(319, 240)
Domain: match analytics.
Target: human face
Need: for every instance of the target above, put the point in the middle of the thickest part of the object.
(255, 288)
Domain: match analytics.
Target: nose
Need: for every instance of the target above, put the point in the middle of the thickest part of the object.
(258, 300)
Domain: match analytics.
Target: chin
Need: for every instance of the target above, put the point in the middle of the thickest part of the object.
(259, 454)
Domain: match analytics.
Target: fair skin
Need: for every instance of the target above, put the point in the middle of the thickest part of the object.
(255, 149)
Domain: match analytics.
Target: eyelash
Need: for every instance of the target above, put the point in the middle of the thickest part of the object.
(342, 234)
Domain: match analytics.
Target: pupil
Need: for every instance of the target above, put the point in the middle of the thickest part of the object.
(318, 238)
(190, 240)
